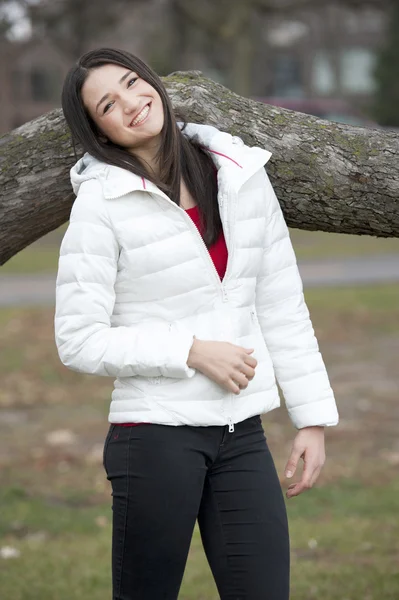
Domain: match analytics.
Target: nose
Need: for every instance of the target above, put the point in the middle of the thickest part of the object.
(130, 104)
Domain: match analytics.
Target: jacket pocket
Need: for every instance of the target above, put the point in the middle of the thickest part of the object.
(254, 316)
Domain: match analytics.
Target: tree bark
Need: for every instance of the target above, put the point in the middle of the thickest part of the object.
(327, 176)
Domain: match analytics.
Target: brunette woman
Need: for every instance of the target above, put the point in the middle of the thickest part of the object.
(177, 278)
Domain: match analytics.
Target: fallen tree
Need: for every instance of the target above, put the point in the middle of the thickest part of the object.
(327, 176)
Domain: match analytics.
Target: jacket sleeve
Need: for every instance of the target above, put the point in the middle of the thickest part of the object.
(286, 326)
(85, 298)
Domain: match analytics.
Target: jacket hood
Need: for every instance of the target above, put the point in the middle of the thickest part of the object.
(228, 152)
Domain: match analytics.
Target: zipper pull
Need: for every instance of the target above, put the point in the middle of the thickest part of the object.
(231, 425)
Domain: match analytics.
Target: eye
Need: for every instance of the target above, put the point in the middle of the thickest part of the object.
(130, 83)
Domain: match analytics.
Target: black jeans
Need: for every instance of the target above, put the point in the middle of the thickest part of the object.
(164, 478)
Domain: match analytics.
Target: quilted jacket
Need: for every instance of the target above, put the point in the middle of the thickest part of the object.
(136, 282)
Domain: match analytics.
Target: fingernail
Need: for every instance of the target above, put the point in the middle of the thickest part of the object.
(288, 474)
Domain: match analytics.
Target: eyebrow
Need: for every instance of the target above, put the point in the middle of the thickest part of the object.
(122, 79)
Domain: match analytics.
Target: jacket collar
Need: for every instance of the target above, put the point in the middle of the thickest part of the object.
(235, 163)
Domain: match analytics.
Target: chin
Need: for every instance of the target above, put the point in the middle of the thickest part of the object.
(146, 135)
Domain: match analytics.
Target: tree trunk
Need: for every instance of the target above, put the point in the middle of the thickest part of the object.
(327, 176)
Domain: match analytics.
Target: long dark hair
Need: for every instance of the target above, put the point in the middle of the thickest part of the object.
(178, 156)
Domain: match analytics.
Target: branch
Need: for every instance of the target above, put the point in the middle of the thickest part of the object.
(327, 176)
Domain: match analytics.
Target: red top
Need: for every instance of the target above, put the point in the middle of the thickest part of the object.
(218, 250)
(218, 253)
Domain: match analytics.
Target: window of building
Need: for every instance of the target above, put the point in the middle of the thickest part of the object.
(323, 80)
(356, 67)
(287, 76)
(286, 33)
(45, 85)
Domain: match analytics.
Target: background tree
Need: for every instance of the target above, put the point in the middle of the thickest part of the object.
(233, 29)
(386, 103)
(74, 25)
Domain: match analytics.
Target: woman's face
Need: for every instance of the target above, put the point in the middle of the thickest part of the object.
(126, 109)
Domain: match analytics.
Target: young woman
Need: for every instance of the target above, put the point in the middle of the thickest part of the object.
(177, 278)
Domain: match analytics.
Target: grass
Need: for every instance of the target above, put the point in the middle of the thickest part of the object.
(346, 547)
(39, 257)
(42, 256)
(310, 245)
(34, 259)
(55, 503)
(374, 299)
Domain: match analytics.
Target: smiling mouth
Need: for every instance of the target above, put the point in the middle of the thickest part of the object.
(142, 116)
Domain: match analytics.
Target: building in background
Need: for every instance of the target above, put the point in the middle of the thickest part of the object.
(32, 72)
(322, 54)
(31, 76)
(326, 53)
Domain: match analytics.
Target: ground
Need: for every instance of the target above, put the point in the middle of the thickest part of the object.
(55, 503)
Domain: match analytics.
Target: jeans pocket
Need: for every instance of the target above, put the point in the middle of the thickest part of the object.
(106, 442)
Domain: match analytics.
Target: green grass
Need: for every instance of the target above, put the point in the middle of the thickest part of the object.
(55, 502)
(319, 244)
(33, 259)
(42, 256)
(376, 312)
(65, 550)
(375, 299)
(39, 257)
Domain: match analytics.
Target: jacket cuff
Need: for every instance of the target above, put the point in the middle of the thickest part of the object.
(322, 413)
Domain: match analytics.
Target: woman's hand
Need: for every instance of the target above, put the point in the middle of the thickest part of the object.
(229, 365)
(309, 445)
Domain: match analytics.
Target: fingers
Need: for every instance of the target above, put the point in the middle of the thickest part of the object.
(304, 484)
(241, 380)
(308, 445)
(248, 372)
(292, 463)
(241, 377)
(233, 387)
(309, 478)
(297, 488)
(250, 360)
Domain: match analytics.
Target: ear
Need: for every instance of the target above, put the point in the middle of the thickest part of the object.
(102, 138)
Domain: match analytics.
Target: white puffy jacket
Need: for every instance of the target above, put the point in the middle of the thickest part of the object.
(136, 282)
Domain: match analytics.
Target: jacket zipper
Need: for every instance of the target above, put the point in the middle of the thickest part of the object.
(220, 284)
(198, 236)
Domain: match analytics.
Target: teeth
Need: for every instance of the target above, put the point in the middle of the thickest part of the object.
(141, 116)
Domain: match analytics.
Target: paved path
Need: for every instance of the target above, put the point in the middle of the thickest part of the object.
(20, 290)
